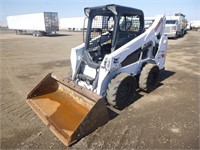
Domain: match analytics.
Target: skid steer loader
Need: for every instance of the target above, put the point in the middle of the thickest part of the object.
(117, 57)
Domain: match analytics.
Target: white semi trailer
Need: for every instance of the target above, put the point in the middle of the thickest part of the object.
(44, 23)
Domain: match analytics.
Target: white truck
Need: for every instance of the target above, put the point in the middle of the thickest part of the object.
(175, 26)
(44, 23)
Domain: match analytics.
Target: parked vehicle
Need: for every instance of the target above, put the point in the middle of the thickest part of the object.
(195, 24)
(44, 23)
(175, 26)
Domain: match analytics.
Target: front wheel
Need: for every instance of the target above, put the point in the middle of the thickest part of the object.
(149, 77)
(121, 90)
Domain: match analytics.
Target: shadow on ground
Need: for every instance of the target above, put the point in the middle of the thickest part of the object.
(51, 35)
(57, 35)
(113, 112)
(166, 74)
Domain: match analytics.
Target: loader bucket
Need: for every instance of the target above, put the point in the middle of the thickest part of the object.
(70, 111)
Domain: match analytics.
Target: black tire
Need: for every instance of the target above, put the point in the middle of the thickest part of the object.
(39, 34)
(149, 77)
(182, 33)
(17, 32)
(34, 33)
(176, 36)
(121, 90)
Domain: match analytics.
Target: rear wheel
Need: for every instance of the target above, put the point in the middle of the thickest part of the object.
(176, 35)
(34, 33)
(149, 77)
(39, 33)
(121, 90)
(17, 32)
(182, 33)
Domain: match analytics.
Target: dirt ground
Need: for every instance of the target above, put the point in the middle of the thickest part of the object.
(167, 118)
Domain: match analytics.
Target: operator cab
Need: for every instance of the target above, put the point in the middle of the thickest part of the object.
(110, 27)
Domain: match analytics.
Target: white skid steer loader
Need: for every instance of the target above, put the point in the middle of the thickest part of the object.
(117, 58)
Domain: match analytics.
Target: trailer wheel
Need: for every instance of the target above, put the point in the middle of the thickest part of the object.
(39, 33)
(34, 33)
(121, 90)
(149, 76)
(19, 32)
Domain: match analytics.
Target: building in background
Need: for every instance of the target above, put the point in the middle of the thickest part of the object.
(75, 23)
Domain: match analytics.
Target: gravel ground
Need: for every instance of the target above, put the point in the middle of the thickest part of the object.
(167, 118)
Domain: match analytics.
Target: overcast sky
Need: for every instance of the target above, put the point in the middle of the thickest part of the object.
(74, 8)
